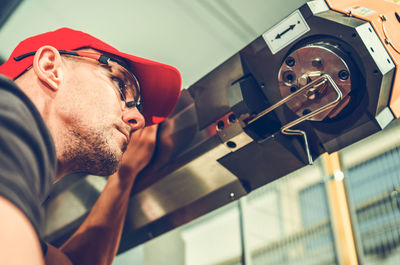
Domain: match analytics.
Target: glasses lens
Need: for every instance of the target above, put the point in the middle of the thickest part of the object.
(128, 84)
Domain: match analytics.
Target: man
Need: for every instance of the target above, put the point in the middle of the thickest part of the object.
(74, 105)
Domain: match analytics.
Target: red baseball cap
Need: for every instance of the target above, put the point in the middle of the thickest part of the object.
(160, 83)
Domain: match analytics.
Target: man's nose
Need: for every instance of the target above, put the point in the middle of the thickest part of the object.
(133, 118)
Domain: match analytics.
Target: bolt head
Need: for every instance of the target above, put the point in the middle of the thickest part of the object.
(290, 61)
(344, 74)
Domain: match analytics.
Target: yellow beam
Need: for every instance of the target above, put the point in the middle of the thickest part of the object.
(340, 214)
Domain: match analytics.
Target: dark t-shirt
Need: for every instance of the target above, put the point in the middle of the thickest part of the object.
(27, 154)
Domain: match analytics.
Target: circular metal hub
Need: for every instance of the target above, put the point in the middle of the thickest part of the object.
(308, 63)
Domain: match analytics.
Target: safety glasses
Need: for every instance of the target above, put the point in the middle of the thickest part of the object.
(125, 81)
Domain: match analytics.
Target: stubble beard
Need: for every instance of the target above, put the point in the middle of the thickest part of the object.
(91, 152)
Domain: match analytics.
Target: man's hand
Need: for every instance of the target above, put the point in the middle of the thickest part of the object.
(139, 151)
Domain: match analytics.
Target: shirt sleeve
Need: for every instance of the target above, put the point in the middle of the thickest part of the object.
(27, 155)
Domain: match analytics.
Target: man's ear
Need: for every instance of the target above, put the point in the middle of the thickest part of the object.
(47, 65)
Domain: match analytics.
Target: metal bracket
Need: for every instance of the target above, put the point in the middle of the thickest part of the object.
(312, 85)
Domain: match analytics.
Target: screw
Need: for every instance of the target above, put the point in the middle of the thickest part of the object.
(220, 126)
(231, 144)
(290, 61)
(344, 75)
(232, 118)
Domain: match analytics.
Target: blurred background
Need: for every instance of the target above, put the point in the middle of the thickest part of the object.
(294, 220)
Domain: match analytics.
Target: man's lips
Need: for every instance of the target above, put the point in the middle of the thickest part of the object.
(124, 132)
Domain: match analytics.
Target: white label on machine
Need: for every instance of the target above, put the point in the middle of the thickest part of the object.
(360, 11)
(286, 31)
(394, 1)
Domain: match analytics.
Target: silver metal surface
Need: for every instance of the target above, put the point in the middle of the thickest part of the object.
(375, 47)
(385, 117)
(184, 186)
(318, 6)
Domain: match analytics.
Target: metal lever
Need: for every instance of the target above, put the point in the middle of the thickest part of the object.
(286, 128)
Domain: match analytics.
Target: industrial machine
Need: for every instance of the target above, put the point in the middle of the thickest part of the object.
(321, 79)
